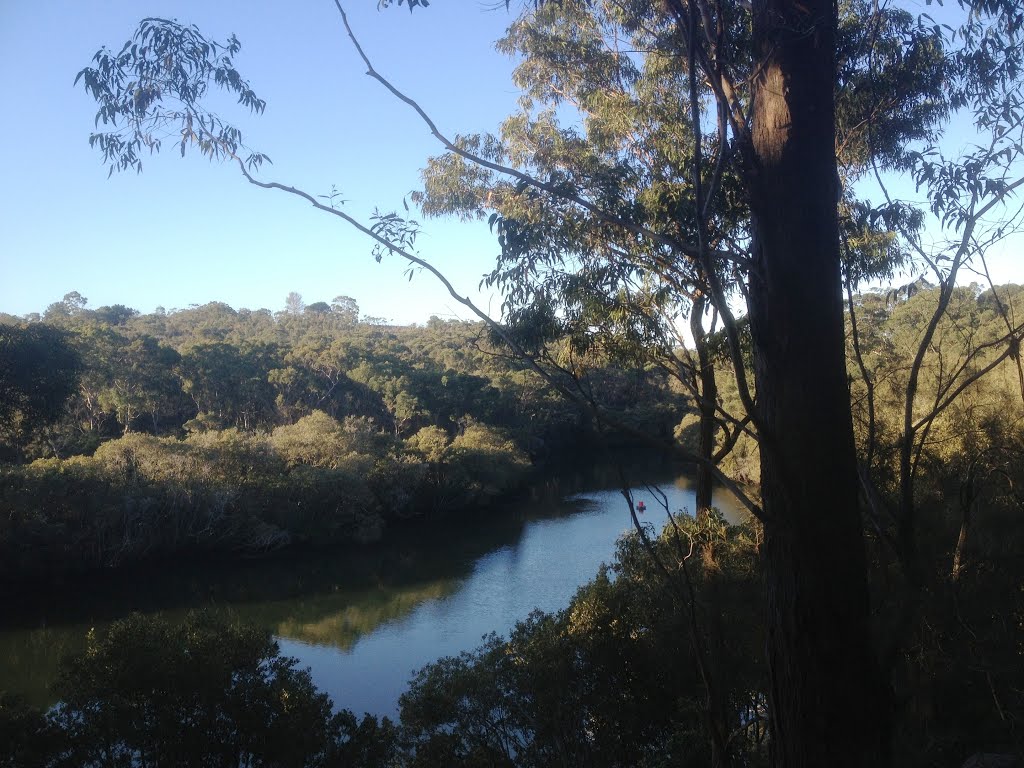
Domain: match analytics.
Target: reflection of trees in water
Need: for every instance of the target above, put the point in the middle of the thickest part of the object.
(339, 623)
(328, 598)
(29, 659)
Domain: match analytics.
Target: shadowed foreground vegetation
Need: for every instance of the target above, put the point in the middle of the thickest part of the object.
(616, 679)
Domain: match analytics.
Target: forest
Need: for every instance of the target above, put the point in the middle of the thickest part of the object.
(755, 236)
(315, 424)
(208, 430)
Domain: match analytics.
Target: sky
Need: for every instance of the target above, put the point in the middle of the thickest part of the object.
(188, 232)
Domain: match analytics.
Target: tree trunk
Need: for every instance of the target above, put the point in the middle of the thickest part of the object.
(717, 705)
(706, 404)
(829, 702)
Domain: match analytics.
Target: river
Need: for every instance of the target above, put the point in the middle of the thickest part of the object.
(363, 621)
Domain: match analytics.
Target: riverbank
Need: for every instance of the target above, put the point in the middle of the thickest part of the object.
(143, 503)
(320, 481)
(388, 607)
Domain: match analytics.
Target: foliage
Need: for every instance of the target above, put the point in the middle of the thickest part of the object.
(485, 459)
(202, 691)
(610, 681)
(978, 411)
(318, 481)
(165, 62)
(216, 429)
(39, 371)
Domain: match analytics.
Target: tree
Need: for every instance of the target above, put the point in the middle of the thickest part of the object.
(318, 308)
(821, 660)
(140, 380)
(346, 308)
(764, 84)
(118, 314)
(230, 384)
(780, 140)
(72, 305)
(198, 690)
(790, 260)
(293, 304)
(39, 371)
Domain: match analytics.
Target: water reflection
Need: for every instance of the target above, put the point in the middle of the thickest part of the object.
(341, 625)
(324, 599)
(363, 620)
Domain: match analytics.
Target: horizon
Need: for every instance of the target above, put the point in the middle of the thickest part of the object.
(161, 310)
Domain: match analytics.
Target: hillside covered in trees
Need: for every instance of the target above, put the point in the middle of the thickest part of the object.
(615, 679)
(130, 436)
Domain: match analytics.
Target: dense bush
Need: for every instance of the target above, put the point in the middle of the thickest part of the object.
(318, 480)
(201, 692)
(613, 680)
(238, 431)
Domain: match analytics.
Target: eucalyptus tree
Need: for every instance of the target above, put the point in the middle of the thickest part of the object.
(39, 373)
(72, 305)
(293, 303)
(613, 279)
(705, 175)
(346, 308)
(141, 380)
(896, 80)
(651, 219)
(229, 384)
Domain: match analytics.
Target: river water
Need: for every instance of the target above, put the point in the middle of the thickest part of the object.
(364, 621)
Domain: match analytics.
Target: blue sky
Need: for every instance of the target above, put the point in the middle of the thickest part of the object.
(188, 232)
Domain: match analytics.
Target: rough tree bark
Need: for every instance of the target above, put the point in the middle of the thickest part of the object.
(829, 701)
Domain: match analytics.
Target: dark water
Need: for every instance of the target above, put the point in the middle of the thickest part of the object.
(364, 621)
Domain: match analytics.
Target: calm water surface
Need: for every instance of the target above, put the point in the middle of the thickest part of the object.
(364, 621)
